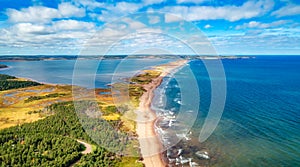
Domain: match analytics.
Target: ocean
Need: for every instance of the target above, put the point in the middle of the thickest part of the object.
(260, 124)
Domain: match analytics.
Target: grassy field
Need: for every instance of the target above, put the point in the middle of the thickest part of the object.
(24, 105)
(29, 104)
(15, 108)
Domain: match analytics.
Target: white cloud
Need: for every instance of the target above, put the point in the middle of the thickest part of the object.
(255, 24)
(73, 25)
(207, 26)
(172, 18)
(67, 34)
(29, 28)
(69, 10)
(32, 14)
(123, 7)
(154, 19)
(289, 10)
(248, 10)
(133, 24)
(41, 14)
(110, 33)
(113, 12)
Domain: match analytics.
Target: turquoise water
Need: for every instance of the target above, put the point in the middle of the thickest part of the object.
(260, 125)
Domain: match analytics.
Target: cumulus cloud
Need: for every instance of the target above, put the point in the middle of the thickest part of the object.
(133, 24)
(32, 14)
(41, 14)
(110, 12)
(289, 10)
(255, 24)
(248, 10)
(122, 7)
(73, 25)
(113, 12)
(38, 26)
(154, 19)
(58, 34)
(29, 28)
(69, 10)
(172, 18)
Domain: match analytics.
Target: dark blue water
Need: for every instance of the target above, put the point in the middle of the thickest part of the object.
(260, 125)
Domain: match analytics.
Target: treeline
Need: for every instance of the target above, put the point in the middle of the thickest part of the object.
(5, 77)
(52, 140)
(6, 83)
(53, 95)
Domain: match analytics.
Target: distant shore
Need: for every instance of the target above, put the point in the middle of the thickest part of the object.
(150, 145)
(7, 58)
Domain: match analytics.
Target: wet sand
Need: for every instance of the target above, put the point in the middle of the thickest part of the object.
(150, 145)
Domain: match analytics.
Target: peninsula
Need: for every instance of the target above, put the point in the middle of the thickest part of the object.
(26, 104)
(150, 145)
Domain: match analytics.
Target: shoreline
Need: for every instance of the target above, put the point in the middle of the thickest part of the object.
(150, 145)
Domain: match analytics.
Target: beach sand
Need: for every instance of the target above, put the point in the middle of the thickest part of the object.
(150, 145)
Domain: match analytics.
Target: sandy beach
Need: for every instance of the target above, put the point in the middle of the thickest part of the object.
(150, 145)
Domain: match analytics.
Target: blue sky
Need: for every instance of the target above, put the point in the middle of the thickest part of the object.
(231, 27)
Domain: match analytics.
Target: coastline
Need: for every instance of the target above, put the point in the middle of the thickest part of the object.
(151, 147)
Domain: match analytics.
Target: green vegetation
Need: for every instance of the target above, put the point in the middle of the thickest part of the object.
(52, 140)
(5, 77)
(53, 95)
(135, 92)
(130, 162)
(108, 110)
(7, 82)
(100, 157)
(39, 149)
(136, 89)
(145, 78)
(6, 85)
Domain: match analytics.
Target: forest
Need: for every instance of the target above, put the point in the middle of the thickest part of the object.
(52, 95)
(9, 82)
(52, 141)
